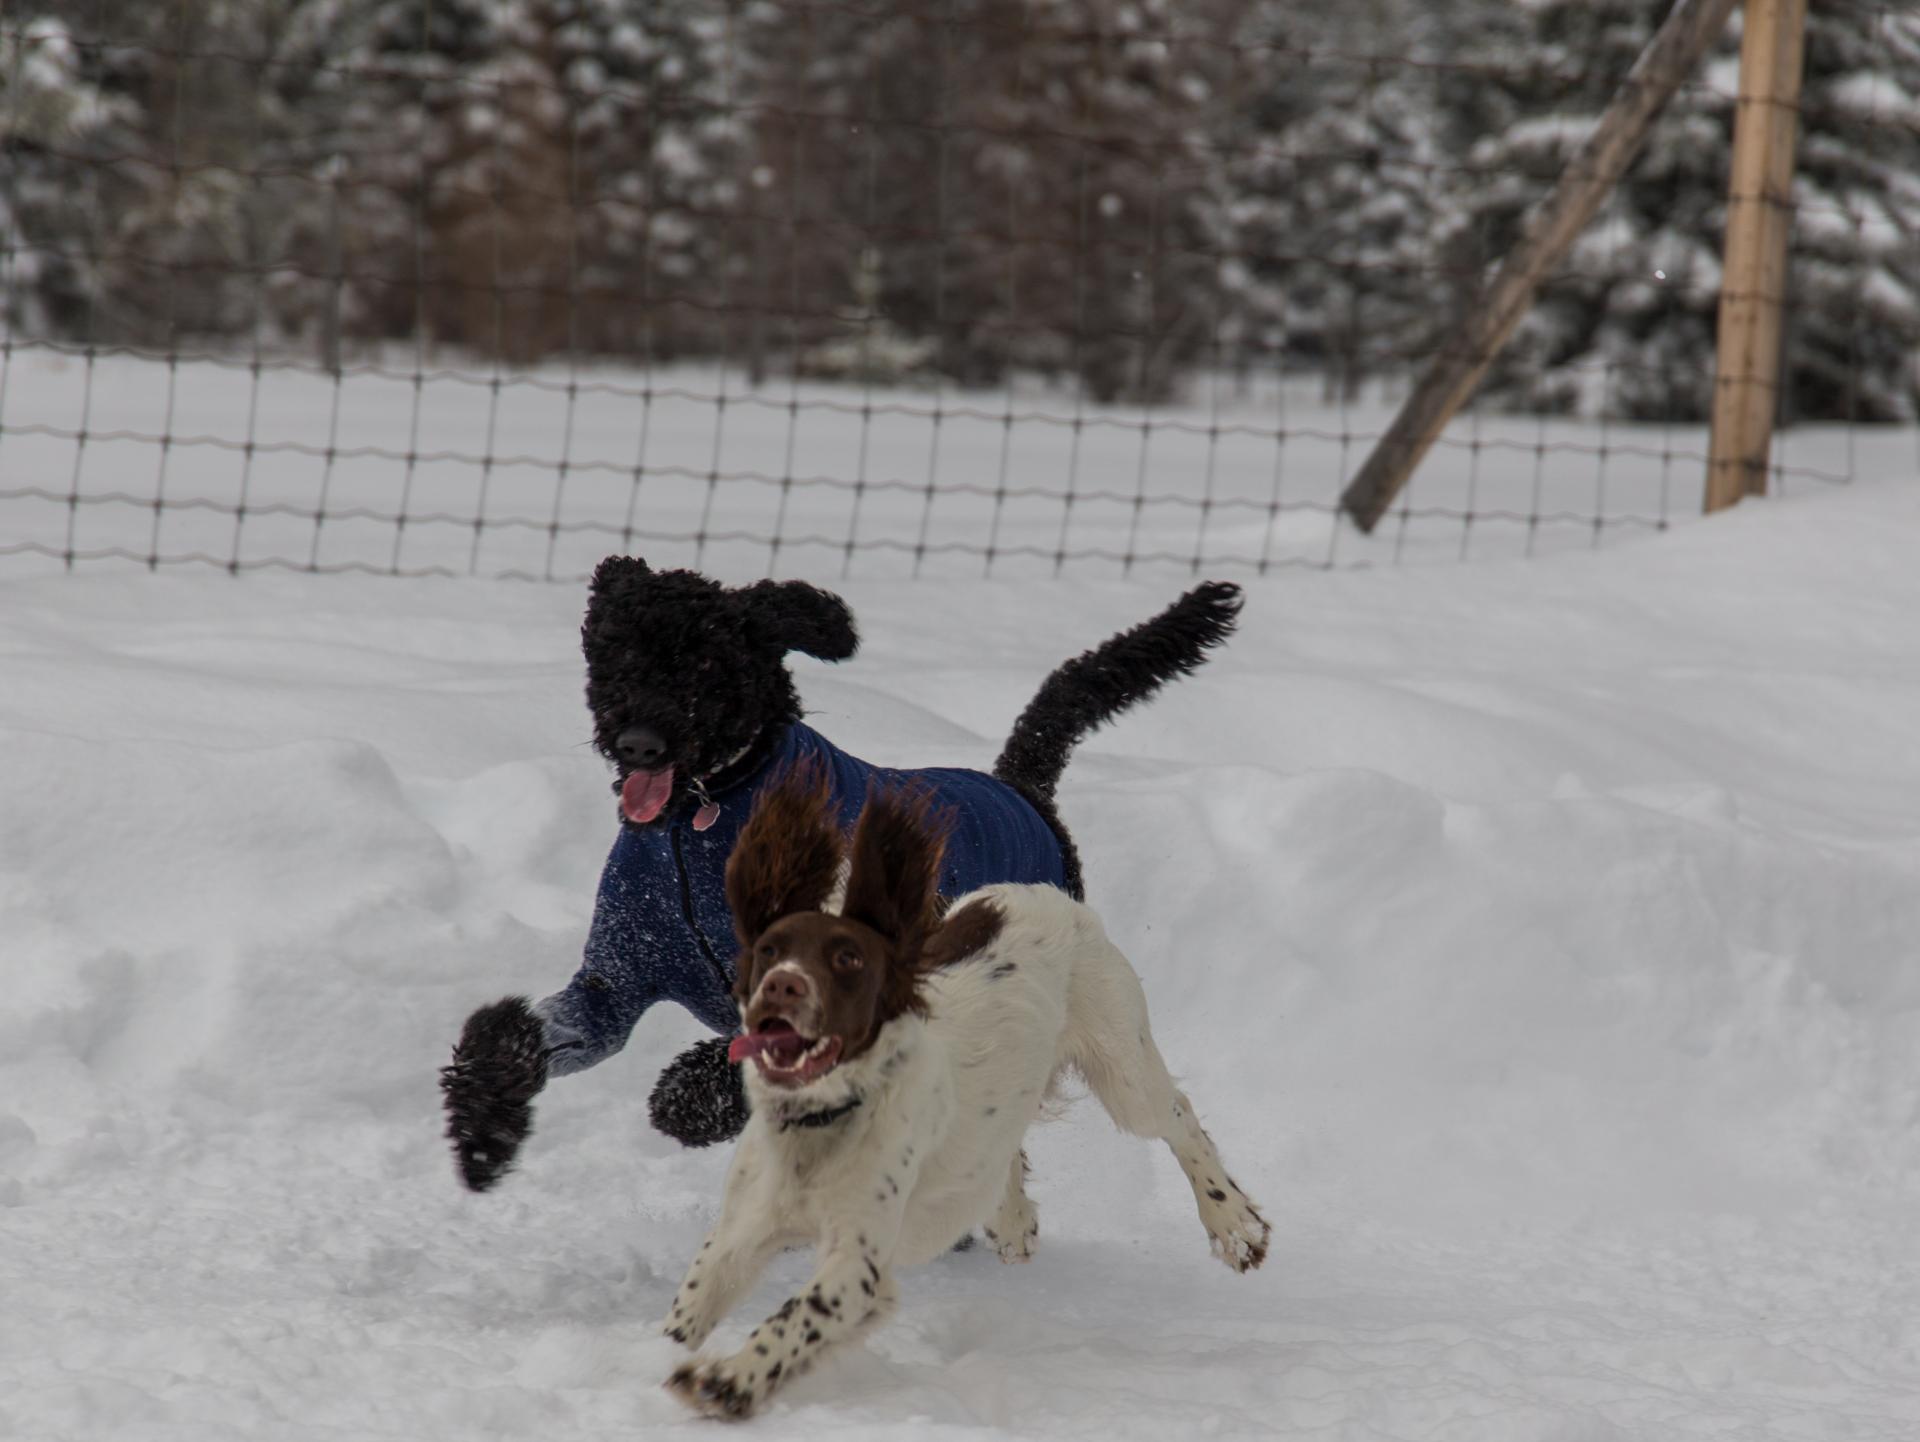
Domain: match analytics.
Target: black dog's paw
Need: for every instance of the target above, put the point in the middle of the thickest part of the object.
(499, 1065)
(699, 1099)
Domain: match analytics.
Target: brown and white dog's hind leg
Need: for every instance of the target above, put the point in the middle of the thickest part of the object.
(1238, 1231)
(1016, 1224)
(1110, 1043)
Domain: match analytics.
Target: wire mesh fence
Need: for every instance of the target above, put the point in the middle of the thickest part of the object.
(1055, 287)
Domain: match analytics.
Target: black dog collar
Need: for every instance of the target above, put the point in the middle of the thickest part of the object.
(820, 1119)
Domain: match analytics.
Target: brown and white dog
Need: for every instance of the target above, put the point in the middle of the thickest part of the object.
(897, 1059)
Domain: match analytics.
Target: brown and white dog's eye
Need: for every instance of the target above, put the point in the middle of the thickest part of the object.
(847, 959)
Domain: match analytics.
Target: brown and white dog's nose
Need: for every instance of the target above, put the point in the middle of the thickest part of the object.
(641, 747)
(784, 986)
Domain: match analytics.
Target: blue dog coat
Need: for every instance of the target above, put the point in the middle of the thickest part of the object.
(662, 930)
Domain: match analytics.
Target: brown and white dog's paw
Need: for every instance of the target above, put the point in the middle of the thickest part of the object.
(1015, 1228)
(722, 1389)
(1018, 1250)
(1240, 1234)
(1016, 1244)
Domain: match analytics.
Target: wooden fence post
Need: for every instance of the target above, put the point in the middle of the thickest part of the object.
(1670, 57)
(1746, 382)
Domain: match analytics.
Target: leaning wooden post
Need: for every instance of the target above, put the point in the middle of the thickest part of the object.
(1671, 56)
(1746, 383)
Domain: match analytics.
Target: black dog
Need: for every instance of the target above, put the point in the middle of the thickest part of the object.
(693, 704)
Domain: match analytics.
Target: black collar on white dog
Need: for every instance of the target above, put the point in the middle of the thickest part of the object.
(820, 1119)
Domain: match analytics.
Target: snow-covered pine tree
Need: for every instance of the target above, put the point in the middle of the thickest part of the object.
(837, 176)
(1853, 283)
(1034, 177)
(1342, 150)
(1336, 183)
(389, 79)
(50, 110)
(1120, 96)
(1629, 327)
(1276, 90)
(527, 176)
(161, 210)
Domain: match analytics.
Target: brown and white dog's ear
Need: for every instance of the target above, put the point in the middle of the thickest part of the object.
(893, 884)
(788, 855)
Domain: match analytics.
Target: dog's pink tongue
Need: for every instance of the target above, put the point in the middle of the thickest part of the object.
(643, 795)
(742, 1047)
(753, 1043)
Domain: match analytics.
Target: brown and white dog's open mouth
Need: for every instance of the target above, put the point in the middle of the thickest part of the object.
(786, 1056)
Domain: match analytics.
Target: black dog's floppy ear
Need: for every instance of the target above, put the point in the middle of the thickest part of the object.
(893, 884)
(788, 854)
(793, 616)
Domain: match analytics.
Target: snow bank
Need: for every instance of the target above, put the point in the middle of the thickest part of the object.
(1538, 942)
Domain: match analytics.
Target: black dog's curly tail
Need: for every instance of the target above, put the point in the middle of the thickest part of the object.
(1090, 690)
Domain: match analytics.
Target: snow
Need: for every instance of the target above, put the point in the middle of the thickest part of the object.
(1537, 940)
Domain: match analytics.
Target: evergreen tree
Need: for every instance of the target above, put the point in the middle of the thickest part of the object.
(1627, 324)
(1035, 177)
(1114, 191)
(531, 174)
(49, 109)
(1630, 324)
(1335, 195)
(1853, 284)
(527, 176)
(1341, 177)
(161, 208)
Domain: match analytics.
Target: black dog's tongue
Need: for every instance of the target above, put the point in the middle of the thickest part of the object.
(643, 795)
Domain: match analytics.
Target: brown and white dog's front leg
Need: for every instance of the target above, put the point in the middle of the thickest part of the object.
(733, 1256)
(729, 1263)
(850, 1292)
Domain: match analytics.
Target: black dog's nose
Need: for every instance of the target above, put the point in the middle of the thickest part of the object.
(641, 746)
